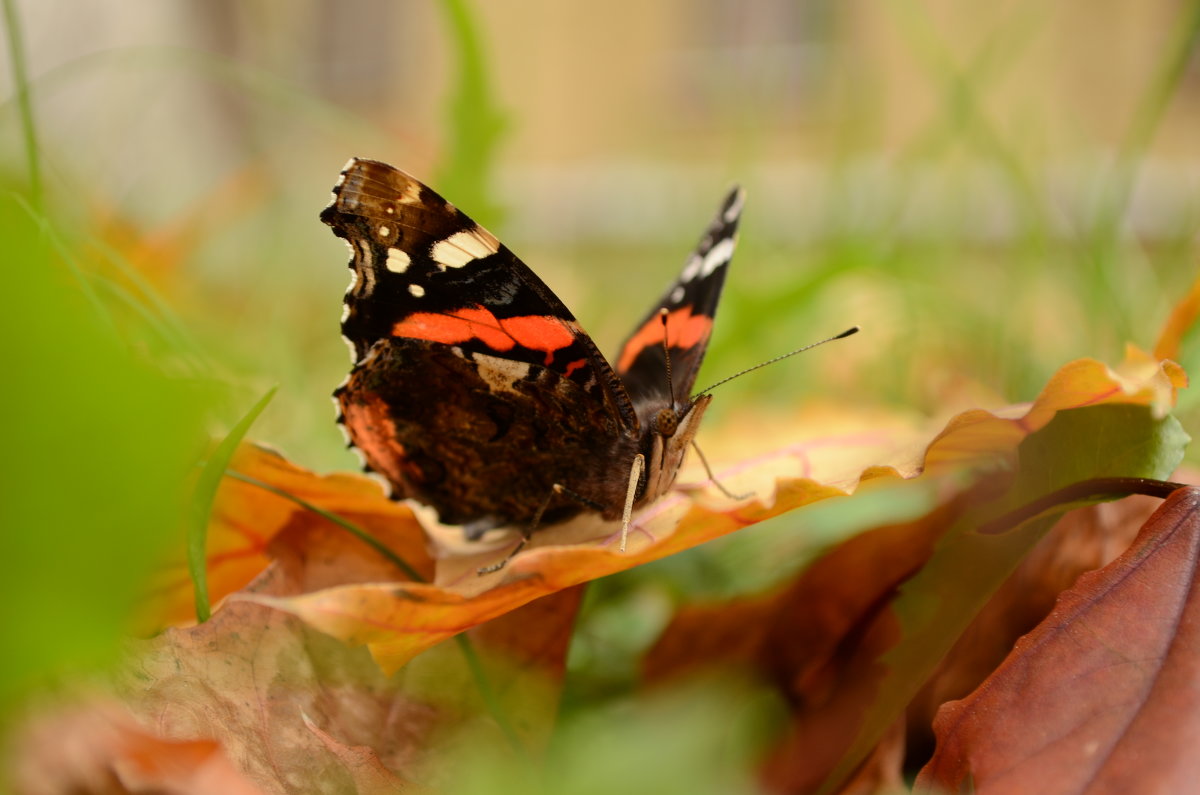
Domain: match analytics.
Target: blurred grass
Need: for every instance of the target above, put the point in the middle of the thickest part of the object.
(950, 306)
(99, 443)
(474, 121)
(699, 737)
(16, 55)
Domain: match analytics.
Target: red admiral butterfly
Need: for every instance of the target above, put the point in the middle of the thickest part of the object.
(475, 391)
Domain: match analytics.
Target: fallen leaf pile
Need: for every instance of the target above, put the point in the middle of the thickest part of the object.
(326, 666)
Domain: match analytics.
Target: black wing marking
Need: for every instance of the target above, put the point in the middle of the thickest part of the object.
(691, 303)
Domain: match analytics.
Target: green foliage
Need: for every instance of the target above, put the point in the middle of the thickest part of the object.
(99, 444)
(697, 739)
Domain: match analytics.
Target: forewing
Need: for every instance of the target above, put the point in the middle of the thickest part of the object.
(423, 270)
(691, 302)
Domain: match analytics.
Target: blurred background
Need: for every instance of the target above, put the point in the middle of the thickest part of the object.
(990, 190)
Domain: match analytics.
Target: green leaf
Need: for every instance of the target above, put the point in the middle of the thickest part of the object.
(202, 501)
(967, 567)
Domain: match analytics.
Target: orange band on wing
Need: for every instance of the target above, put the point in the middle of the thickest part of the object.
(538, 332)
(683, 331)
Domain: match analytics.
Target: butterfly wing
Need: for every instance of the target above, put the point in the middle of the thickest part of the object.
(424, 270)
(690, 303)
(474, 389)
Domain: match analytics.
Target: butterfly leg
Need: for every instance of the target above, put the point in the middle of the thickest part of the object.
(482, 570)
(526, 533)
(713, 477)
(635, 477)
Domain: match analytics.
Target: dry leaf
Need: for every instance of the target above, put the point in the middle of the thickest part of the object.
(1105, 693)
(1083, 540)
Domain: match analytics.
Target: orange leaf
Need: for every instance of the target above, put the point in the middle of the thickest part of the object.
(1139, 380)
(246, 518)
(1104, 693)
(1181, 320)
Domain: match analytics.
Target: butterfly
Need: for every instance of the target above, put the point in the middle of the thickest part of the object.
(475, 391)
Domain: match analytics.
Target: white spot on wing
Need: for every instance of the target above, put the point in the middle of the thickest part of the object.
(384, 230)
(500, 374)
(735, 209)
(717, 256)
(464, 247)
(691, 269)
(411, 192)
(677, 294)
(416, 290)
(398, 261)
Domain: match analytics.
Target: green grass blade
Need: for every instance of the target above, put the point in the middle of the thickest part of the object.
(50, 234)
(476, 122)
(202, 502)
(488, 693)
(150, 305)
(16, 56)
(1154, 102)
(356, 531)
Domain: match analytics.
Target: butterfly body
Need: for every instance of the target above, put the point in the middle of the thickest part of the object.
(474, 389)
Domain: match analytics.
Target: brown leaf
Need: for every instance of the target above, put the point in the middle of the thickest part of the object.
(1105, 693)
(1083, 540)
(282, 701)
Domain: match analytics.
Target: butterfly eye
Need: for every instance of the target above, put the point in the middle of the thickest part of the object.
(666, 423)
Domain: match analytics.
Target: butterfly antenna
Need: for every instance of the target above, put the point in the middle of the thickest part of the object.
(848, 332)
(662, 314)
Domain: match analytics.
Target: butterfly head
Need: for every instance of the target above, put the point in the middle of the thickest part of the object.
(666, 422)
